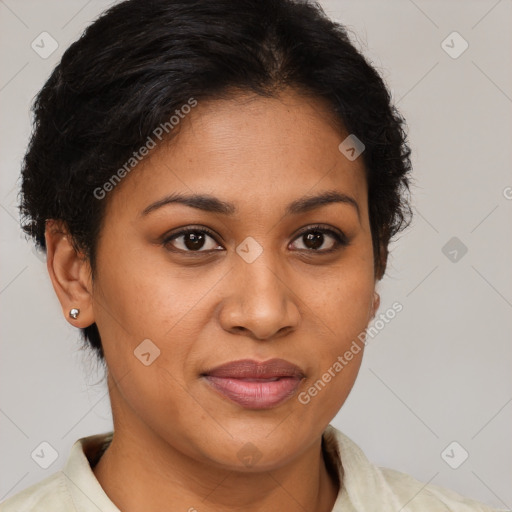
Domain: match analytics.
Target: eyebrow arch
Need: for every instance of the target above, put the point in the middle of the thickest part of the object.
(212, 204)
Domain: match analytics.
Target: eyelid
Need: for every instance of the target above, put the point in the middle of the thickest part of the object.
(324, 229)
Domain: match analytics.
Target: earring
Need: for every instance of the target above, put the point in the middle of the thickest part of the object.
(74, 312)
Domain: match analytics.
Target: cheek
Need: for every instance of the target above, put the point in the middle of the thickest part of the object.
(342, 311)
(144, 306)
(148, 342)
(137, 297)
(345, 297)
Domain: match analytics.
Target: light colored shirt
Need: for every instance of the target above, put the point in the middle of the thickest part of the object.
(363, 486)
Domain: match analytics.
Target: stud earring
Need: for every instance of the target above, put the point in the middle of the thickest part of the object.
(73, 313)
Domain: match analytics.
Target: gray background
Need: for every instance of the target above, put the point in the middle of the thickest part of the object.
(439, 372)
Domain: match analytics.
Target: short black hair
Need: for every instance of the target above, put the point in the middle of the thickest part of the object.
(142, 60)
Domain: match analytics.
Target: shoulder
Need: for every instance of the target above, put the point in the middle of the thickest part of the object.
(73, 489)
(366, 486)
(417, 496)
(48, 494)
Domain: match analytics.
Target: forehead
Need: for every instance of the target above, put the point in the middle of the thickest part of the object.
(252, 151)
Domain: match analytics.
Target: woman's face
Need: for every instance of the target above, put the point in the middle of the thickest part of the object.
(259, 284)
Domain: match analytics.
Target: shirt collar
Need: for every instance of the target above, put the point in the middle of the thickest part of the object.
(85, 490)
(87, 493)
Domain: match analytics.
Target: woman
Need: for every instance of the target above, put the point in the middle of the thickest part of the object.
(216, 185)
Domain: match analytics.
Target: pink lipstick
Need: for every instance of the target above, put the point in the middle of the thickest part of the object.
(256, 385)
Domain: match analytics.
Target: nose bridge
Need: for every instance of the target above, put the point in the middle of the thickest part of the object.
(257, 270)
(259, 298)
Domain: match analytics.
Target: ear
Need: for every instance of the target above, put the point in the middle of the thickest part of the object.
(382, 262)
(70, 274)
(375, 304)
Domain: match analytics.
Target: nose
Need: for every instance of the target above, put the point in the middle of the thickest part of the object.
(259, 301)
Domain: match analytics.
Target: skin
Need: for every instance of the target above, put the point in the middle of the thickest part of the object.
(176, 440)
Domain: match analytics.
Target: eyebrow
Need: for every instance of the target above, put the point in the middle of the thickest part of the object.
(212, 204)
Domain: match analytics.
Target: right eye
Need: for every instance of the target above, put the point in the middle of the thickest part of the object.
(191, 240)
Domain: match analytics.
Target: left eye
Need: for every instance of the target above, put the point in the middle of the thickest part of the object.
(314, 238)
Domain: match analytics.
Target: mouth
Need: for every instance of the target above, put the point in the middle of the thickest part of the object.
(255, 385)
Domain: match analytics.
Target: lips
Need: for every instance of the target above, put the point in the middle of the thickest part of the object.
(249, 369)
(255, 385)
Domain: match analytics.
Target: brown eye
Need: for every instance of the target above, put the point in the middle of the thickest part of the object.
(192, 240)
(313, 239)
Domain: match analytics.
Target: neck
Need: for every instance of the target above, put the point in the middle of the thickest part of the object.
(142, 472)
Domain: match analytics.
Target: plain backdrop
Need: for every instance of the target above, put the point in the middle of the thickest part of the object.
(435, 382)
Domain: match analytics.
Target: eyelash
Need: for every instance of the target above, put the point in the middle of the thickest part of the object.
(339, 238)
